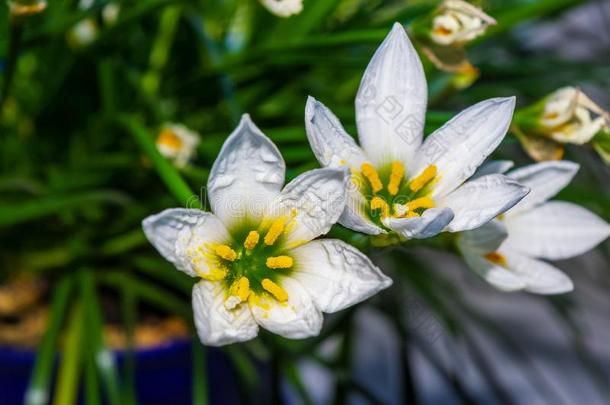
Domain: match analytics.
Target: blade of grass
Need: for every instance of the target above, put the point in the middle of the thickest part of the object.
(129, 309)
(68, 378)
(200, 380)
(37, 392)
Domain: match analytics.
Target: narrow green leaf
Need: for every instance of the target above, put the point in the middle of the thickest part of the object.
(200, 380)
(66, 388)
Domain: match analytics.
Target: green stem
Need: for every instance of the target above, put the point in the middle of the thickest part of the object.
(69, 369)
(15, 34)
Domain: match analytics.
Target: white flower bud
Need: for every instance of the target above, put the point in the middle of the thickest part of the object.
(459, 22)
(283, 8)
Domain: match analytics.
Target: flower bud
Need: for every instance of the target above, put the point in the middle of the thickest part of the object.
(457, 22)
(283, 8)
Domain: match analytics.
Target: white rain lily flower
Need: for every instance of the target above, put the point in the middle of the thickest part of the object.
(569, 116)
(254, 252)
(110, 13)
(177, 143)
(403, 184)
(506, 252)
(84, 33)
(283, 8)
(459, 22)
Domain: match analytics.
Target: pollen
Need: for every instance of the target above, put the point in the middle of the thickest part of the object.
(420, 181)
(274, 232)
(251, 240)
(373, 177)
(378, 203)
(496, 258)
(241, 288)
(280, 262)
(278, 292)
(422, 202)
(412, 214)
(398, 171)
(225, 252)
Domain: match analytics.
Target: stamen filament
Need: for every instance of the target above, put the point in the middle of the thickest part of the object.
(395, 177)
(278, 292)
(251, 240)
(371, 174)
(280, 262)
(274, 232)
(422, 202)
(378, 203)
(225, 252)
(420, 181)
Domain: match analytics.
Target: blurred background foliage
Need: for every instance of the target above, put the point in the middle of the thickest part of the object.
(79, 169)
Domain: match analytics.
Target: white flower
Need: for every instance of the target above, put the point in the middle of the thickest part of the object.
(110, 13)
(178, 143)
(283, 8)
(459, 22)
(24, 8)
(401, 183)
(84, 33)
(506, 251)
(254, 251)
(569, 116)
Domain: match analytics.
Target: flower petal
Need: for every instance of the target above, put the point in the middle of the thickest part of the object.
(336, 275)
(354, 216)
(330, 143)
(544, 179)
(172, 231)
(479, 201)
(487, 238)
(217, 326)
(539, 277)
(318, 196)
(391, 101)
(495, 275)
(463, 143)
(555, 230)
(248, 173)
(493, 167)
(431, 223)
(297, 318)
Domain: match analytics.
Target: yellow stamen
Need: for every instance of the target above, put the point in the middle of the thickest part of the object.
(411, 214)
(422, 202)
(395, 177)
(225, 252)
(378, 203)
(496, 258)
(251, 240)
(280, 262)
(274, 232)
(420, 181)
(278, 292)
(241, 288)
(169, 139)
(371, 174)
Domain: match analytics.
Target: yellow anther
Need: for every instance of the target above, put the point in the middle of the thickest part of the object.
(378, 203)
(241, 288)
(274, 232)
(251, 240)
(168, 138)
(278, 292)
(280, 262)
(398, 171)
(420, 181)
(411, 214)
(371, 174)
(496, 258)
(225, 252)
(422, 202)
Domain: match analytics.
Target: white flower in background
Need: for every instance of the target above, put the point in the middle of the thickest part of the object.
(283, 8)
(24, 8)
(177, 143)
(84, 33)
(110, 13)
(569, 116)
(402, 184)
(506, 251)
(254, 252)
(458, 22)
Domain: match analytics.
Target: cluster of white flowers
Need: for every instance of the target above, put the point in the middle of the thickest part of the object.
(255, 251)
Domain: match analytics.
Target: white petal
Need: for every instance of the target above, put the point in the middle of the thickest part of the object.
(297, 318)
(247, 174)
(485, 239)
(335, 274)
(493, 167)
(463, 143)
(539, 277)
(479, 201)
(318, 196)
(391, 101)
(216, 325)
(329, 141)
(354, 216)
(431, 223)
(544, 179)
(172, 231)
(555, 230)
(497, 276)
